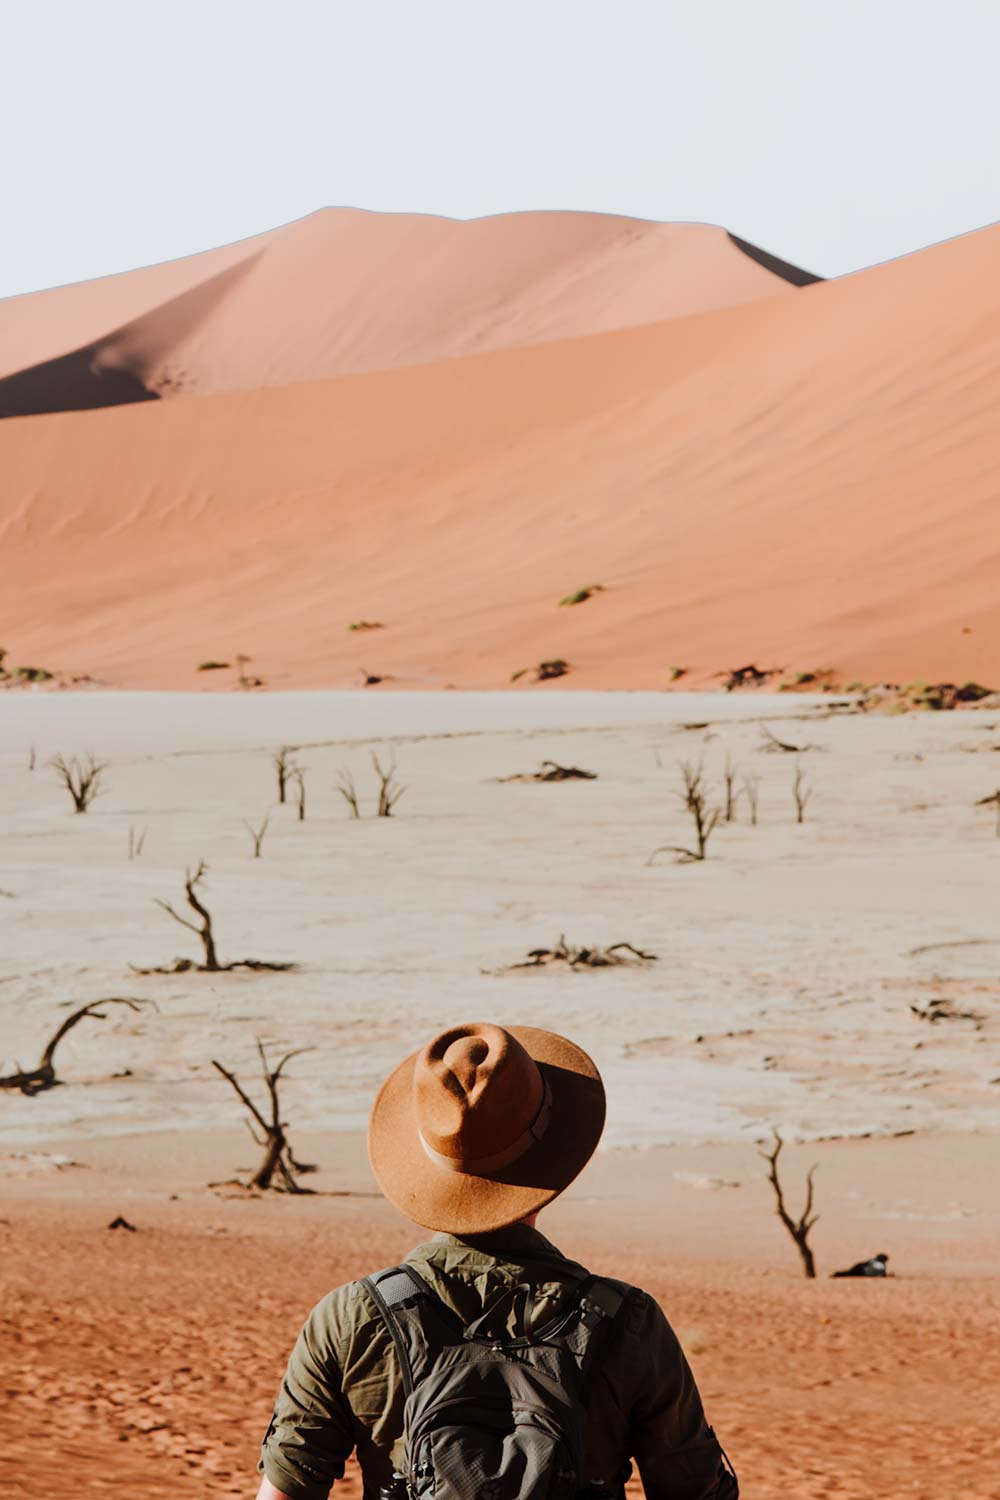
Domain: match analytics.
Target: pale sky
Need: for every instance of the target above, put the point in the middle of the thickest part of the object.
(835, 135)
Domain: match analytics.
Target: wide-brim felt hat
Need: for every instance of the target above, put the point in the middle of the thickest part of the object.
(484, 1126)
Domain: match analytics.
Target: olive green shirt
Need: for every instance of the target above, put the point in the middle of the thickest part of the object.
(343, 1390)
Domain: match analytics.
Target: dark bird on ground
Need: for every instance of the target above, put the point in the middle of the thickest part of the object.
(873, 1267)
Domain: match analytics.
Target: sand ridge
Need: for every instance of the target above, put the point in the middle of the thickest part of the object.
(803, 480)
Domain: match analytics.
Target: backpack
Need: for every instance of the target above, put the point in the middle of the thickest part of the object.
(488, 1416)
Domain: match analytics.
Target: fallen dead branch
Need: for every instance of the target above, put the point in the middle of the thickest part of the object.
(771, 742)
(585, 958)
(799, 1229)
(32, 1081)
(279, 1170)
(957, 943)
(550, 770)
(945, 1010)
(204, 931)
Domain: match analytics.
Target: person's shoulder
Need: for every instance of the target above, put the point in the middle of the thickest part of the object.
(639, 1312)
(343, 1312)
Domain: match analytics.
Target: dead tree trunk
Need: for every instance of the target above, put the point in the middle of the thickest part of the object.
(257, 834)
(798, 1229)
(729, 780)
(751, 790)
(278, 1160)
(299, 778)
(204, 931)
(284, 767)
(800, 794)
(37, 1080)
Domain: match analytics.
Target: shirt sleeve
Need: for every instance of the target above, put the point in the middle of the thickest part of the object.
(678, 1454)
(310, 1436)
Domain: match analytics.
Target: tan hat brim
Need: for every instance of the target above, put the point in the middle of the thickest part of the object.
(438, 1198)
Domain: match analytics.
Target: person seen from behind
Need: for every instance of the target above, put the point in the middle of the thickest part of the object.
(488, 1366)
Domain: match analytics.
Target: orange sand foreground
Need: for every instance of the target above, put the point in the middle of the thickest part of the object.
(144, 1364)
(446, 428)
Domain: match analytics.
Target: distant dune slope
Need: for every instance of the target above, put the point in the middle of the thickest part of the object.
(344, 291)
(807, 480)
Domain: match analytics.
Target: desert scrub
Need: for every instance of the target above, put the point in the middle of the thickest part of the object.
(580, 596)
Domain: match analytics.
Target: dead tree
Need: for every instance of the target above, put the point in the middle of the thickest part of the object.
(299, 778)
(751, 791)
(257, 834)
(81, 778)
(278, 1168)
(204, 929)
(799, 1229)
(284, 767)
(32, 758)
(36, 1080)
(389, 791)
(800, 794)
(694, 799)
(347, 789)
(992, 801)
(729, 781)
(136, 842)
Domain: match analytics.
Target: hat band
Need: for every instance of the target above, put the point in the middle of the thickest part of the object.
(477, 1166)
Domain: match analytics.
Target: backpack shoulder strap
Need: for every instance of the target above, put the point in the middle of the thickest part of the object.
(418, 1322)
(598, 1307)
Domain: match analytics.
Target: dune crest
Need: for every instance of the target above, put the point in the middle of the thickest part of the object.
(804, 479)
(344, 291)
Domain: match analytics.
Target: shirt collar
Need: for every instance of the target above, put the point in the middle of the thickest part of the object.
(515, 1242)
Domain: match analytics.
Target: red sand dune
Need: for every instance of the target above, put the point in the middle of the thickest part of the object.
(801, 476)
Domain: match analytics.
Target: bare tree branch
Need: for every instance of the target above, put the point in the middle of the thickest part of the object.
(798, 1229)
(37, 1080)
